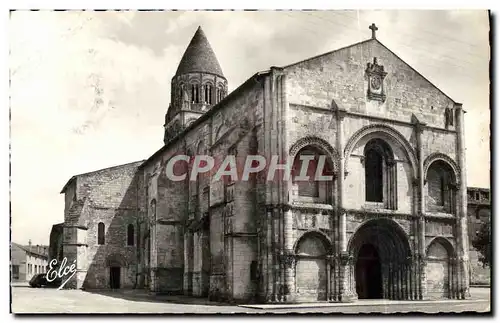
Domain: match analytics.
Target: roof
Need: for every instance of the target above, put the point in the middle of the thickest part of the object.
(199, 57)
(472, 188)
(95, 171)
(31, 250)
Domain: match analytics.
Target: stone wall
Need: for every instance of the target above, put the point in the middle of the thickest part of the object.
(232, 237)
(108, 196)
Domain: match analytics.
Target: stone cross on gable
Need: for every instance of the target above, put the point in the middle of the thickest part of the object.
(374, 29)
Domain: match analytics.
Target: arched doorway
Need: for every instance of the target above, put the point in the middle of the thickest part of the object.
(368, 273)
(311, 269)
(380, 267)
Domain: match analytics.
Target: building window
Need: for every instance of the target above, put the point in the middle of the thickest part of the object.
(208, 93)
(374, 176)
(130, 235)
(380, 173)
(220, 94)
(311, 187)
(477, 196)
(195, 93)
(100, 233)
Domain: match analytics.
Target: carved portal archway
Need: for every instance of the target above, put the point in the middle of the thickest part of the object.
(381, 257)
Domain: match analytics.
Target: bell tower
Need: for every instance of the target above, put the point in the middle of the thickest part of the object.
(197, 85)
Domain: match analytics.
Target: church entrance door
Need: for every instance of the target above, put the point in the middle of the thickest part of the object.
(368, 273)
(114, 277)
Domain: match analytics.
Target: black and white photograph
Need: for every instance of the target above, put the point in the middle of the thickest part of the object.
(250, 161)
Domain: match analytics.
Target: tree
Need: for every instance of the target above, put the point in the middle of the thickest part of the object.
(482, 243)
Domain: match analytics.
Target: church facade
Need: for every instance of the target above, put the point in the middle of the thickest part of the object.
(391, 223)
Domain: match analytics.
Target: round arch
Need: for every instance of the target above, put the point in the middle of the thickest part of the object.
(314, 234)
(389, 131)
(320, 144)
(398, 237)
(443, 242)
(444, 158)
(380, 251)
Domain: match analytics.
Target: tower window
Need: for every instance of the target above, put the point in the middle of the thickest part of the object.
(100, 233)
(208, 93)
(220, 94)
(195, 93)
(130, 235)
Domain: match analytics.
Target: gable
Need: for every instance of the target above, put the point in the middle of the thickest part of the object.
(340, 76)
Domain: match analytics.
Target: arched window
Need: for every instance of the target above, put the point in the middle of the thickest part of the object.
(208, 93)
(306, 164)
(220, 94)
(100, 233)
(374, 174)
(440, 180)
(130, 235)
(310, 187)
(195, 93)
(380, 173)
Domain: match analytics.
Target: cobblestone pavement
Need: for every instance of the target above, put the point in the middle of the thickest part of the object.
(45, 300)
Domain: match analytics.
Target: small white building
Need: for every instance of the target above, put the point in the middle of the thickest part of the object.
(27, 261)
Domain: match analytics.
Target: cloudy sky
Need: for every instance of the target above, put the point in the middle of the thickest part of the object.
(90, 90)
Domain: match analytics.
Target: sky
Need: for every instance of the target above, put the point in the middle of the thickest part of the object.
(89, 90)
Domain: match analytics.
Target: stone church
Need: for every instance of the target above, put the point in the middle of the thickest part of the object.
(391, 224)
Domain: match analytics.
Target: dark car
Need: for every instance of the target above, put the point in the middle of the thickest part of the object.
(40, 280)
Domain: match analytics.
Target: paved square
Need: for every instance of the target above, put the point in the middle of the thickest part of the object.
(46, 300)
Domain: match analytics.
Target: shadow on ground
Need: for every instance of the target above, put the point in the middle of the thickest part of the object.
(139, 295)
(145, 296)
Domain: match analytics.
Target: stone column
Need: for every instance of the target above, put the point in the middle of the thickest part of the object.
(270, 256)
(345, 293)
(289, 255)
(419, 127)
(462, 237)
(188, 263)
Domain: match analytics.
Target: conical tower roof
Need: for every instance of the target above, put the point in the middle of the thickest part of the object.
(199, 57)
